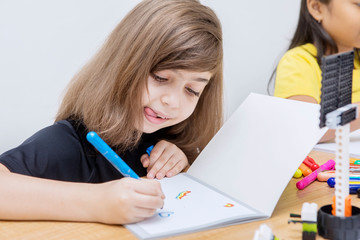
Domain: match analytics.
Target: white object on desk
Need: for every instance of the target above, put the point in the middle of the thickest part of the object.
(354, 146)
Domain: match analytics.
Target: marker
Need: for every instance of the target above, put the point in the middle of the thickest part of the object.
(311, 163)
(312, 177)
(149, 149)
(353, 189)
(298, 173)
(355, 165)
(325, 175)
(110, 155)
(351, 183)
(353, 160)
(305, 169)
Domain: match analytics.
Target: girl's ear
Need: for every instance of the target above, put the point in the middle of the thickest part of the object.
(316, 9)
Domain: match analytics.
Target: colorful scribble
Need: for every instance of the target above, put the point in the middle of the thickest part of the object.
(182, 194)
(229, 205)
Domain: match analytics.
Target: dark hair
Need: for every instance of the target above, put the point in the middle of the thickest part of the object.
(310, 31)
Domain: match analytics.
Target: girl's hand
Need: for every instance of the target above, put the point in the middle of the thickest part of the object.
(166, 159)
(128, 200)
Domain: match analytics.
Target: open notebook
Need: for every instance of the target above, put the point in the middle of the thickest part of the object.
(242, 172)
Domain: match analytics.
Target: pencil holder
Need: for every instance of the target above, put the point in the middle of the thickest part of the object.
(339, 228)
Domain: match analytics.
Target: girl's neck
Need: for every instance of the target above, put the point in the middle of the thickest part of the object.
(341, 49)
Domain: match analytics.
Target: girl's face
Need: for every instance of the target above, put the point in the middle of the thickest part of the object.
(341, 19)
(171, 97)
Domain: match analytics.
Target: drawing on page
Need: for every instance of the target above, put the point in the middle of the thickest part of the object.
(182, 194)
(229, 205)
(165, 214)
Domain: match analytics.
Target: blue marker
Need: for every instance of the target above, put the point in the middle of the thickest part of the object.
(149, 149)
(353, 188)
(110, 155)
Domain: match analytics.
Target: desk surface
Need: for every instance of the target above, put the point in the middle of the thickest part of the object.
(290, 202)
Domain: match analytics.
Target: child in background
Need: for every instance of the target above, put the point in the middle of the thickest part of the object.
(325, 27)
(157, 80)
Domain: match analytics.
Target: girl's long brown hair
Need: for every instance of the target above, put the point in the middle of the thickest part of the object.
(156, 35)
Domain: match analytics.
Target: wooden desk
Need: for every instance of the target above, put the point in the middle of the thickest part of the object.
(290, 202)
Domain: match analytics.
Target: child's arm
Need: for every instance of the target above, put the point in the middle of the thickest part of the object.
(166, 159)
(330, 134)
(117, 202)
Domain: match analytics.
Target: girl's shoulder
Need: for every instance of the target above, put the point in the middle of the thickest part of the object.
(307, 50)
(40, 154)
(59, 132)
(58, 140)
(301, 54)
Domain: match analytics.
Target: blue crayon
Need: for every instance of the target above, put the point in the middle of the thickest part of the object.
(110, 155)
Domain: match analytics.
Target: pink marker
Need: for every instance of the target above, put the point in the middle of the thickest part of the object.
(329, 165)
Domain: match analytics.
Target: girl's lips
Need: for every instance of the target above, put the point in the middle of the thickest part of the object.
(152, 116)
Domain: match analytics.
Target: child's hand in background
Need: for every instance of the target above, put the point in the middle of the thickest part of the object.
(166, 159)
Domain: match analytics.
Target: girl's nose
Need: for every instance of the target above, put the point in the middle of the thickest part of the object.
(171, 99)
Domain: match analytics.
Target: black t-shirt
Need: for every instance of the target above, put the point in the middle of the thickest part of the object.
(61, 152)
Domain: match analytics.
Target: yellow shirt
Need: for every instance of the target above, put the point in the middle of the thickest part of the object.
(299, 73)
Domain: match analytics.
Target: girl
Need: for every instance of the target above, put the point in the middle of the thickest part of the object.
(325, 27)
(151, 83)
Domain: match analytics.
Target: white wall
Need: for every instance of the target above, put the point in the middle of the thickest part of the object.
(44, 43)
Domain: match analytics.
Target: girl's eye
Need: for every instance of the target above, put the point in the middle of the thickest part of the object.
(158, 78)
(197, 94)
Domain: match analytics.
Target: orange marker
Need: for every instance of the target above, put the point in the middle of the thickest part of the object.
(305, 169)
